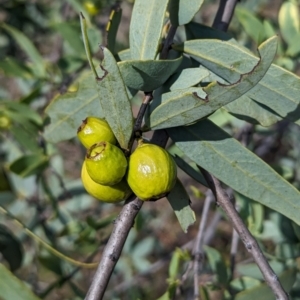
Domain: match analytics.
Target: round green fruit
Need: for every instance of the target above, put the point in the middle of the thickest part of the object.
(4, 122)
(106, 163)
(91, 8)
(93, 130)
(111, 194)
(152, 172)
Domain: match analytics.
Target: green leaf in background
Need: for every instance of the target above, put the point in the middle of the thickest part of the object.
(244, 283)
(217, 264)
(25, 138)
(114, 100)
(50, 262)
(11, 67)
(68, 110)
(178, 256)
(147, 75)
(279, 89)
(185, 107)
(70, 32)
(145, 28)
(287, 279)
(11, 249)
(23, 111)
(13, 288)
(39, 66)
(252, 25)
(112, 28)
(288, 19)
(79, 7)
(180, 202)
(29, 164)
(220, 154)
(182, 12)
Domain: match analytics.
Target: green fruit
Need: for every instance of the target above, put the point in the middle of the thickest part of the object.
(111, 194)
(91, 7)
(93, 130)
(106, 163)
(152, 171)
(4, 122)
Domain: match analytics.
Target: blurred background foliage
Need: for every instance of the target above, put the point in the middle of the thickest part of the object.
(41, 194)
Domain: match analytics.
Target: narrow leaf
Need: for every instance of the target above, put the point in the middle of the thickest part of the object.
(145, 28)
(24, 111)
(180, 202)
(288, 19)
(249, 110)
(69, 31)
(200, 31)
(278, 90)
(114, 99)
(182, 12)
(252, 25)
(186, 107)
(217, 264)
(68, 110)
(147, 75)
(263, 291)
(220, 154)
(187, 78)
(13, 288)
(10, 248)
(112, 27)
(87, 44)
(189, 170)
(27, 46)
(9, 66)
(29, 164)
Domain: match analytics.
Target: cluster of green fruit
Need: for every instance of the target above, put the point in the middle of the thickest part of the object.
(150, 171)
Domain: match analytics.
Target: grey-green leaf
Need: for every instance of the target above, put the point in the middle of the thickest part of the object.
(217, 264)
(25, 43)
(224, 157)
(13, 288)
(10, 248)
(187, 78)
(68, 110)
(189, 170)
(279, 89)
(263, 291)
(112, 28)
(180, 202)
(251, 111)
(29, 164)
(182, 11)
(114, 100)
(145, 28)
(187, 107)
(147, 75)
(288, 19)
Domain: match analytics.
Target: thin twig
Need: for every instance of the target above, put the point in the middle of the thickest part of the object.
(198, 247)
(224, 14)
(249, 241)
